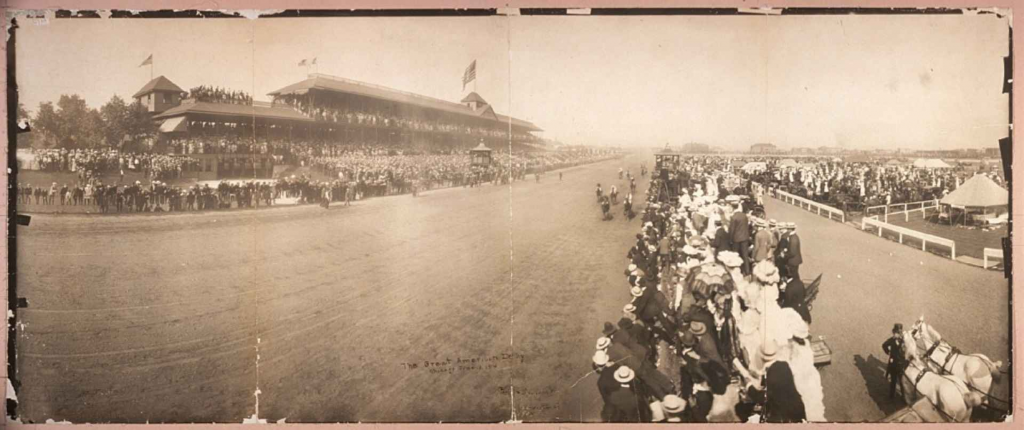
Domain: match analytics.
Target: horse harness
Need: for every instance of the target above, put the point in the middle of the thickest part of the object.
(953, 352)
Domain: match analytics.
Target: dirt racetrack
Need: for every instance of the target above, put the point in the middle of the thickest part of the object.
(394, 309)
(414, 309)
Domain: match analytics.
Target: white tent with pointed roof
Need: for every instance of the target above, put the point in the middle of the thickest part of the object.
(931, 163)
(979, 197)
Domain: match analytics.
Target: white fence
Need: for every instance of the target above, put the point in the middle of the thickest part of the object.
(810, 205)
(902, 208)
(991, 252)
(902, 231)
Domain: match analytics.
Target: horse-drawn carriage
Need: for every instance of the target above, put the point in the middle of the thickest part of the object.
(942, 384)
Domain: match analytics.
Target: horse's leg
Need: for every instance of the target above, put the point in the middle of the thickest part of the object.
(952, 401)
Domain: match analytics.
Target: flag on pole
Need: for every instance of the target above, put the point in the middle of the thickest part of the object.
(314, 61)
(302, 63)
(469, 75)
(147, 61)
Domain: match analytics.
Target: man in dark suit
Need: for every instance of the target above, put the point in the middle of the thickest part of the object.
(739, 228)
(780, 251)
(722, 240)
(894, 348)
(794, 258)
(795, 297)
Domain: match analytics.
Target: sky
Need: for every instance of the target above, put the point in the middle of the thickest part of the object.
(858, 82)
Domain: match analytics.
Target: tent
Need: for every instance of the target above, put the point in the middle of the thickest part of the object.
(789, 162)
(979, 196)
(931, 163)
(755, 166)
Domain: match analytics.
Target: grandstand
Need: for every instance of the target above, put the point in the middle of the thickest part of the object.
(244, 138)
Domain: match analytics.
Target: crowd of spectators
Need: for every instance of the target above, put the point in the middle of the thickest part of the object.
(204, 93)
(347, 171)
(869, 184)
(90, 163)
(717, 317)
(345, 113)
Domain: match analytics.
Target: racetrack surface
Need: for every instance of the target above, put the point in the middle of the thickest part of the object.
(394, 309)
(871, 283)
(364, 313)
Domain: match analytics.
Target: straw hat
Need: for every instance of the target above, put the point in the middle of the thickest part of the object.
(624, 374)
(698, 328)
(600, 358)
(603, 342)
(673, 404)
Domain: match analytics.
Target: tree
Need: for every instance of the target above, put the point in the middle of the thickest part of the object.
(115, 115)
(140, 125)
(23, 113)
(76, 127)
(47, 124)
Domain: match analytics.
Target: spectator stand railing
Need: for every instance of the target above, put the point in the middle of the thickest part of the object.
(903, 231)
(811, 205)
(990, 252)
(902, 208)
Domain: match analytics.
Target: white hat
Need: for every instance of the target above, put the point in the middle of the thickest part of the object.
(631, 268)
(600, 358)
(636, 291)
(603, 342)
(624, 374)
(673, 404)
(630, 308)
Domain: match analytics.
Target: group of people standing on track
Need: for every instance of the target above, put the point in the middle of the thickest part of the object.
(712, 324)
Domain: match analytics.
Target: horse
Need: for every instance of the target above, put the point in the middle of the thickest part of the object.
(976, 370)
(949, 395)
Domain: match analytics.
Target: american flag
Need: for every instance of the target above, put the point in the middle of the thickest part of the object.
(469, 75)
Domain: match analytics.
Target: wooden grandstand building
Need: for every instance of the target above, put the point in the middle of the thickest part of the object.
(328, 110)
(352, 111)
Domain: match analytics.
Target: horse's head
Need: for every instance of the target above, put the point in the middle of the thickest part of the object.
(910, 344)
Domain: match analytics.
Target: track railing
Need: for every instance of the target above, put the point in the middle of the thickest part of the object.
(990, 252)
(811, 205)
(903, 231)
(906, 209)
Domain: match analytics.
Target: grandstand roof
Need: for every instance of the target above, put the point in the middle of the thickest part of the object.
(473, 97)
(234, 110)
(335, 84)
(160, 83)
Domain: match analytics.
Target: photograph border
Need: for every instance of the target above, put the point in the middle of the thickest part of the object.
(268, 9)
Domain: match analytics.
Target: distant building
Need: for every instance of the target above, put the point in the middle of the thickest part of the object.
(696, 148)
(763, 148)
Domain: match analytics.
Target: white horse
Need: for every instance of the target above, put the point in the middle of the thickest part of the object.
(948, 394)
(976, 370)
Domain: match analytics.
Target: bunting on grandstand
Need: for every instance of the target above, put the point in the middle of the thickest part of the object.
(469, 75)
